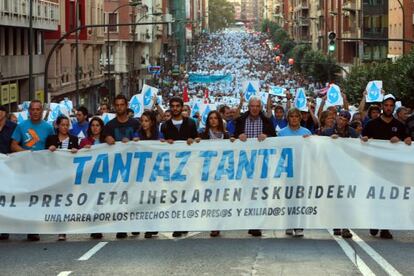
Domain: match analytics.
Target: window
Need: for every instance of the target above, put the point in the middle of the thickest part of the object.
(6, 41)
(23, 6)
(22, 40)
(14, 42)
(113, 19)
(72, 15)
(133, 19)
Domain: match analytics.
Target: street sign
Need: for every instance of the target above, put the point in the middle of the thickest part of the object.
(156, 70)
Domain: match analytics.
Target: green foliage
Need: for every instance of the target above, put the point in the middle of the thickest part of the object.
(312, 64)
(221, 14)
(398, 79)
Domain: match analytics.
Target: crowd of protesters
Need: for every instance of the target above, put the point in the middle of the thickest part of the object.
(247, 120)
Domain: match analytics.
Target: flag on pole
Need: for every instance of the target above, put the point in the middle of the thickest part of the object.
(185, 95)
(206, 95)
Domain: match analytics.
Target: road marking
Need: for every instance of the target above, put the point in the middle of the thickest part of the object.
(92, 251)
(351, 254)
(375, 255)
(64, 273)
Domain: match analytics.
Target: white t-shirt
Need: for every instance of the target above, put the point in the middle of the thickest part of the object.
(177, 124)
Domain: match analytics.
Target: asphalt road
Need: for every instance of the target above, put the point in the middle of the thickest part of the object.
(234, 253)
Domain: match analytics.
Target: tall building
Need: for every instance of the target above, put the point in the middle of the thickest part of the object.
(300, 22)
(81, 53)
(351, 15)
(252, 13)
(395, 26)
(14, 47)
(237, 9)
(375, 25)
(344, 18)
(274, 10)
(129, 46)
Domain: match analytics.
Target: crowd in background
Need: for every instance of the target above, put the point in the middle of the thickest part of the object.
(246, 58)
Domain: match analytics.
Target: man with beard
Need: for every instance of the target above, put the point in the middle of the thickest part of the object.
(386, 127)
(121, 128)
(179, 128)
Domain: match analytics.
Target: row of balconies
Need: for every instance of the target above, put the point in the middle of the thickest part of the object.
(46, 14)
(351, 6)
(302, 5)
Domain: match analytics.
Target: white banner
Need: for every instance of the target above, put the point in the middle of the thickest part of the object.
(288, 182)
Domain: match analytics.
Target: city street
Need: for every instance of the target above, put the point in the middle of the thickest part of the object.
(234, 253)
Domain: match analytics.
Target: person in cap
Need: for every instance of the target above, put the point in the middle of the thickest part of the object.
(386, 127)
(6, 130)
(341, 127)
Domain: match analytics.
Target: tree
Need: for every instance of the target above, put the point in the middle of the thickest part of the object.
(398, 79)
(221, 14)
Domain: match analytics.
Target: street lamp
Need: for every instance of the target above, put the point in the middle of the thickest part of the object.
(131, 4)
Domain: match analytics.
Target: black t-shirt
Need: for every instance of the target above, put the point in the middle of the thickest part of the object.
(119, 130)
(410, 125)
(379, 129)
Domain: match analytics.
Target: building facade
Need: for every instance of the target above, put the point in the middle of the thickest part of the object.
(14, 47)
(395, 26)
(300, 22)
(375, 26)
(252, 13)
(77, 54)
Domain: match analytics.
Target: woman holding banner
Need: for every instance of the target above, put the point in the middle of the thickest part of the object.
(95, 134)
(294, 128)
(214, 131)
(149, 130)
(62, 140)
(95, 137)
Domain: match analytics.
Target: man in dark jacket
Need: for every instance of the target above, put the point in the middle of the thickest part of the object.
(179, 128)
(254, 124)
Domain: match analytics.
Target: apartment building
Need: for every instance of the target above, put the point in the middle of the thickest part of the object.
(375, 25)
(81, 54)
(14, 47)
(300, 22)
(252, 12)
(396, 18)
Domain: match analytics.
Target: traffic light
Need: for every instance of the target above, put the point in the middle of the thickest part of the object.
(331, 41)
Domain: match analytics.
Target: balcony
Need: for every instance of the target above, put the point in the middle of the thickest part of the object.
(319, 13)
(304, 22)
(304, 5)
(376, 33)
(351, 33)
(350, 6)
(15, 13)
(11, 66)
